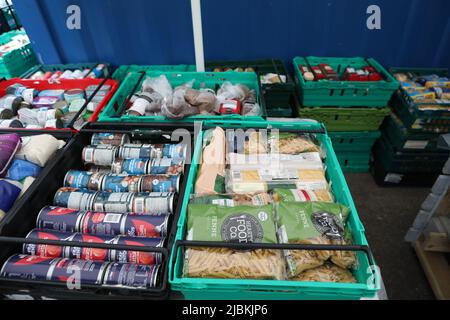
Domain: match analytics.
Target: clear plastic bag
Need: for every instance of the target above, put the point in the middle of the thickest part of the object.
(326, 273)
(226, 263)
(159, 84)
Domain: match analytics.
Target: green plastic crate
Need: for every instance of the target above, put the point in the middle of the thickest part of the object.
(354, 161)
(203, 79)
(277, 96)
(353, 141)
(203, 288)
(347, 119)
(16, 62)
(344, 93)
(407, 162)
(121, 72)
(403, 139)
(61, 67)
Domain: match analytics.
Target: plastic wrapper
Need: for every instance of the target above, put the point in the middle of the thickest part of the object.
(232, 200)
(301, 195)
(38, 149)
(326, 273)
(159, 84)
(9, 145)
(344, 259)
(291, 143)
(211, 174)
(310, 223)
(20, 169)
(204, 100)
(226, 263)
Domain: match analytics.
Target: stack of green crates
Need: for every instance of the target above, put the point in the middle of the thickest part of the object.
(123, 71)
(407, 152)
(14, 63)
(62, 67)
(352, 111)
(280, 98)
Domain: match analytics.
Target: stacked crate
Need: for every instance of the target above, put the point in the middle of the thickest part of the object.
(352, 111)
(407, 151)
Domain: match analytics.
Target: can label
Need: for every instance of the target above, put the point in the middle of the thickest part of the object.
(121, 183)
(76, 271)
(100, 223)
(130, 166)
(142, 225)
(59, 219)
(45, 250)
(77, 179)
(153, 203)
(95, 254)
(165, 166)
(26, 267)
(114, 139)
(113, 202)
(131, 275)
(160, 183)
(101, 155)
(80, 199)
(139, 257)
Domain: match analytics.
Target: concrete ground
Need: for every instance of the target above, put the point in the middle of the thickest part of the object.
(387, 213)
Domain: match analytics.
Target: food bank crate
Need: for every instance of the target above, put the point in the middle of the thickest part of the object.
(62, 67)
(66, 84)
(123, 71)
(16, 62)
(23, 218)
(404, 140)
(347, 119)
(277, 96)
(114, 111)
(407, 162)
(353, 141)
(344, 93)
(354, 161)
(204, 288)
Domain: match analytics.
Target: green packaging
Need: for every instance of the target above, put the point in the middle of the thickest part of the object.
(243, 224)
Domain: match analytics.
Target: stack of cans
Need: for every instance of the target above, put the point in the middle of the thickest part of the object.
(126, 197)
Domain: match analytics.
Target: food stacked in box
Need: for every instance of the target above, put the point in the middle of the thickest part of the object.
(407, 152)
(125, 195)
(22, 160)
(41, 104)
(278, 88)
(349, 95)
(266, 187)
(75, 71)
(185, 96)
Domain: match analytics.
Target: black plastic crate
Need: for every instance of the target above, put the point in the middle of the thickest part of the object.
(23, 218)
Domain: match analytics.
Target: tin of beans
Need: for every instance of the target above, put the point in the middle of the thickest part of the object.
(101, 155)
(153, 202)
(74, 198)
(131, 275)
(114, 139)
(160, 183)
(139, 257)
(121, 183)
(113, 202)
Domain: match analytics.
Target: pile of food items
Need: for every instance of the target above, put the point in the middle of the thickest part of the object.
(126, 195)
(266, 187)
(25, 107)
(430, 88)
(21, 161)
(324, 71)
(268, 78)
(157, 97)
(99, 71)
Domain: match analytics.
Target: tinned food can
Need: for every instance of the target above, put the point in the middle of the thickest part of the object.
(109, 138)
(138, 257)
(86, 253)
(143, 225)
(46, 250)
(59, 219)
(102, 223)
(101, 155)
(165, 166)
(121, 183)
(75, 198)
(77, 179)
(27, 267)
(131, 275)
(130, 166)
(77, 271)
(160, 183)
(113, 201)
(153, 202)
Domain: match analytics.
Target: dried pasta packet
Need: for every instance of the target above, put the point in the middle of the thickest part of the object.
(244, 224)
(344, 259)
(326, 273)
(301, 195)
(309, 223)
(256, 143)
(232, 200)
(292, 143)
(232, 264)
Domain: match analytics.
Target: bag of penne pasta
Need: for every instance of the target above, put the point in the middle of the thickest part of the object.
(310, 223)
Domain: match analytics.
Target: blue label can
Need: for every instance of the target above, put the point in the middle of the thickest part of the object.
(130, 166)
(114, 139)
(26, 267)
(46, 250)
(74, 198)
(113, 201)
(160, 183)
(131, 275)
(121, 183)
(77, 179)
(78, 272)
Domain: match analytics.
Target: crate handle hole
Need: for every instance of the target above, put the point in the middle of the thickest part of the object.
(331, 92)
(342, 92)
